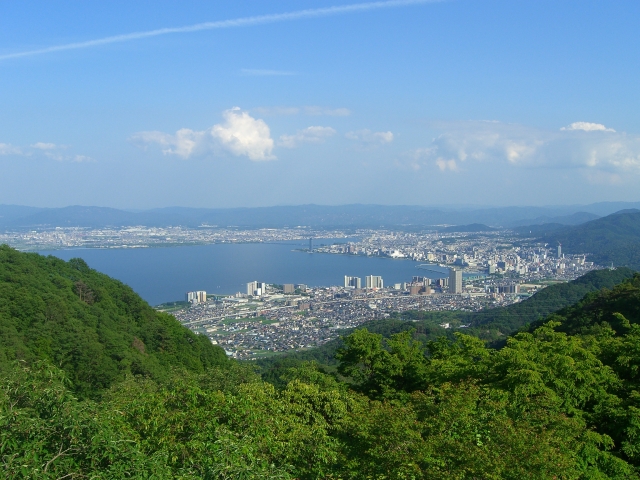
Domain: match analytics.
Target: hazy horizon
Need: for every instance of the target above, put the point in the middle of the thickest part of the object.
(434, 206)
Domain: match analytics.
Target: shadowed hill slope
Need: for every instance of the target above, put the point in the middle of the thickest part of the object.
(95, 328)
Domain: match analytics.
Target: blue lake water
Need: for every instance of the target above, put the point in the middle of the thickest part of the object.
(165, 274)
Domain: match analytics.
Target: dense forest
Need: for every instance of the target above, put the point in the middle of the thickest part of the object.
(560, 399)
(96, 329)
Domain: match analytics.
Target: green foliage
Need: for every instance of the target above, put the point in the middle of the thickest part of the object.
(46, 433)
(382, 372)
(95, 328)
(560, 400)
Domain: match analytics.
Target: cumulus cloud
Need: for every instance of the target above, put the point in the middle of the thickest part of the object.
(8, 149)
(588, 127)
(310, 110)
(447, 165)
(590, 147)
(308, 135)
(239, 134)
(58, 153)
(48, 150)
(82, 159)
(369, 137)
(44, 146)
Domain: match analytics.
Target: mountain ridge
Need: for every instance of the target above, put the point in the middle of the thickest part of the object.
(342, 216)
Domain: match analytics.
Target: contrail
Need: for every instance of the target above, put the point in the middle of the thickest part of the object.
(238, 22)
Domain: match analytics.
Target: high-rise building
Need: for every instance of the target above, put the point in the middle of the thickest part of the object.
(288, 288)
(374, 281)
(421, 281)
(251, 287)
(354, 282)
(455, 280)
(559, 250)
(199, 296)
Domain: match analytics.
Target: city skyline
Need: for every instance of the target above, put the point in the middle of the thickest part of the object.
(210, 105)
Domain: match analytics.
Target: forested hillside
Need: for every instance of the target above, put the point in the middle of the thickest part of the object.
(611, 239)
(94, 328)
(558, 401)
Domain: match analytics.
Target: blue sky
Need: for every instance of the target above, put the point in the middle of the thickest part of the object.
(452, 102)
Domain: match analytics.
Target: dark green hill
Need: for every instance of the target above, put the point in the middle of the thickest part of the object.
(93, 327)
(546, 405)
(595, 308)
(555, 297)
(611, 239)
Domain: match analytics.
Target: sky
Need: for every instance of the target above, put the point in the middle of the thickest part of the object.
(144, 104)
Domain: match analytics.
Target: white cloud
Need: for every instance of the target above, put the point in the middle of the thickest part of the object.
(232, 23)
(369, 137)
(44, 146)
(588, 127)
(49, 150)
(82, 159)
(240, 134)
(253, 72)
(590, 147)
(60, 157)
(308, 135)
(8, 149)
(184, 143)
(447, 165)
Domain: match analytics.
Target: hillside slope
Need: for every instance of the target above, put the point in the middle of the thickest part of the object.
(490, 324)
(546, 405)
(93, 327)
(611, 239)
(548, 300)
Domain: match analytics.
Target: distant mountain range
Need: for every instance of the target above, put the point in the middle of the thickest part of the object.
(474, 227)
(316, 216)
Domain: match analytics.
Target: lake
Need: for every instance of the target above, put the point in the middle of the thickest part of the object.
(164, 274)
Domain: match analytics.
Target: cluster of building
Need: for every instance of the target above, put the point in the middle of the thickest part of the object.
(249, 326)
(270, 318)
(199, 296)
(419, 285)
(371, 281)
(493, 253)
(142, 237)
